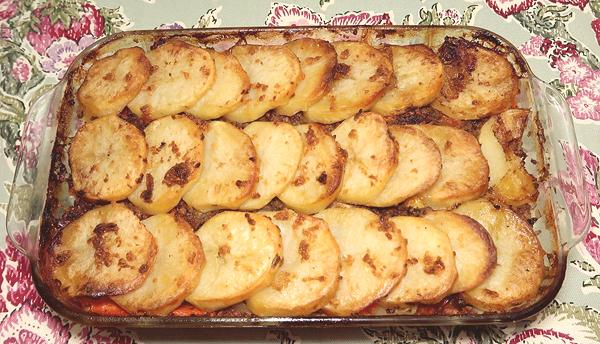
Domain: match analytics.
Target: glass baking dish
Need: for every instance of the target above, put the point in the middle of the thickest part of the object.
(561, 215)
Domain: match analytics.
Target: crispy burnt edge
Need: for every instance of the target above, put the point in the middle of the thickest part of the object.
(451, 305)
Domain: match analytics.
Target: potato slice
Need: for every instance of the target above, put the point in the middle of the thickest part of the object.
(318, 178)
(372, 157)
(478, 82)
(419, 166)
(107, 251)
(309, 275)
(520, 269)
(361, 76)
(226, 93)
(181, 74)
(493, 152)
(230, 172)
(419, 78)
(431, 269)
(175, 273)
(274, 73)
(373, 255)
(107, 158)
(464, 173)
(279, 147)
(243, 253)
(517, 187)
(475, 253)
(113, 81)
(173, 163)
(317, 61)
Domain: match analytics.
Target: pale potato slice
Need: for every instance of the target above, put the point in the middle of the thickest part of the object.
(317, 61)
(274, 73)
(107, 251)
(107, 158)
(475, 253)
(419, 166)
(181, 74)
(431, 269)
(520, 268)
(478, 82)
(279, 147)
(243, 253)
(465, 171)
(493, 152)
(226, 93)
(176, 270)
(372, 157)
(309, 275)
(318, 179)
(361, 76)
(113, 81)
(174, 163)
(373, 256)
(230, 172)
(419, 78)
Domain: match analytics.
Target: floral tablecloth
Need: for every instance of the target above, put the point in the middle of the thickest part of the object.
(560, 38)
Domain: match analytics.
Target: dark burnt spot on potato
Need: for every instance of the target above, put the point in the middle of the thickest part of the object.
(223, 251)
(108, 77)
(433, 266)
(250, 220)
(459, 59)
(367, 259)
(178, 174)
(143, 268)
(341, 70)
(146, 195)
(242, 183)
(322, 178)
(303, 250)
(282, 215)
(101, 245)
(277, 261)
(61, 258)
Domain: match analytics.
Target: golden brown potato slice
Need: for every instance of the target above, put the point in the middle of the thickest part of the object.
(243, 253)
(318, 178)
(317, 61)
(226, 93)
(309, 275)
(181, 74)
(419, 78)
(372, 157)
(174, 162)
(464, 173)
(373, 256)
(431, 268)
(478, 82)
(230, 172)
(107, 251)
(517, 187)
(107, 158)
(474, 250)
(279, 148)
(176, 270)
(520, 269)
(361, 76)
(274, 73)
(419, 166)
(113, 81)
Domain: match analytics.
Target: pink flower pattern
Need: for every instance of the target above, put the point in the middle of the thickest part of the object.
(596, 27)
(573, 70)
(584, 106)
(293, 15)
(533, 46)
(21, 70)
(30, 325)
(62, 52)
(506, 8)
(591, 85)
(8, 9)
(30, 141)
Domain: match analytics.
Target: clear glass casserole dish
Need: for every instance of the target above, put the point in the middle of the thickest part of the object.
(561, 215)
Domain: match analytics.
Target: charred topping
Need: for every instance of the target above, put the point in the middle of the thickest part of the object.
(322, 178)
(146, 195)
(340, 70)
(101, 251)
(192, 216)
(179, 174)
(250, 220)
(459, 59)
(132, 119)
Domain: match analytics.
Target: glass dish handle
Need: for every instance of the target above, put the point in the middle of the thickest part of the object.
(571, 204)
(28, 190)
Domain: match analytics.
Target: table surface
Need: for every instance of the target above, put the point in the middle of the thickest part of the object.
(559, 38)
